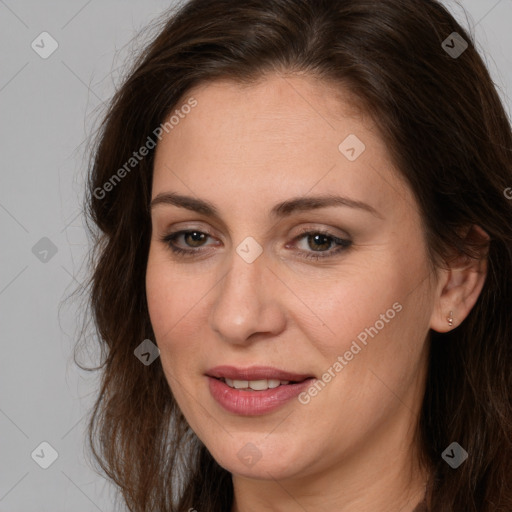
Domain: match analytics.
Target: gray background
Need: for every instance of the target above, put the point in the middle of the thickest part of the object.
(49, 108)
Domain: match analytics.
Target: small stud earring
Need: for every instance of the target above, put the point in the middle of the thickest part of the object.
(450, 319)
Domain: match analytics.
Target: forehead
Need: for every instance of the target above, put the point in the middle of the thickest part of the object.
(281, 132)
(301, 91)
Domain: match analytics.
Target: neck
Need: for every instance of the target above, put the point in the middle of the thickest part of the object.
(384, 494)
(389, 482)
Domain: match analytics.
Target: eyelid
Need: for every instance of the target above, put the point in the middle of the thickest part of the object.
(325, 230)
(341, 243)
(308, 228)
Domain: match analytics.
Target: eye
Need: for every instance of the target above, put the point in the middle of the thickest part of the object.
(319, 241)
(194, 237)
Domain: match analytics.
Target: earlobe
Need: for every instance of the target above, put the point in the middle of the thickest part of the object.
(450, 319)
(461, 284)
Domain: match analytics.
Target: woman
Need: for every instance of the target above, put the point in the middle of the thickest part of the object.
(303, 205)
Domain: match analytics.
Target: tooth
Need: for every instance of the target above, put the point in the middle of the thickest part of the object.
(255, 385)
(258, 385)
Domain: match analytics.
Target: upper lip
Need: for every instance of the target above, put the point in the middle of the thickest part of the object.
(255, 373)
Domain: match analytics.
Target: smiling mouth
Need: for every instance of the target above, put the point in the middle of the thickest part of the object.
(257, 385)
(254, 390)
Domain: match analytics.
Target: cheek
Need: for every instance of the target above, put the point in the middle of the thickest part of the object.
(170, 295)
(169, 299)
(176, 301)
(160, 296)
(342, 307)
(376, 318)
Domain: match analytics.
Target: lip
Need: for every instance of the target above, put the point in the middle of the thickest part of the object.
(254, 373)
(253, 403)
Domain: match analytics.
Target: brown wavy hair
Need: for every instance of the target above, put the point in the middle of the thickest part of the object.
(449, 136)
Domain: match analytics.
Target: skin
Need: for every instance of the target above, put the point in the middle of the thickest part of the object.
(244, 149)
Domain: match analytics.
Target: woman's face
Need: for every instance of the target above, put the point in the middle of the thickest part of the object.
(249, 303)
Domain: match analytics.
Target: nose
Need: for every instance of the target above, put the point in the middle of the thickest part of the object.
(247, 302)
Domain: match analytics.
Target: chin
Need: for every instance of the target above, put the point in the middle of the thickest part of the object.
(262, 463)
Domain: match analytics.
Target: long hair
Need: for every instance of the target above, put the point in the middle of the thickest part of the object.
(449, 136)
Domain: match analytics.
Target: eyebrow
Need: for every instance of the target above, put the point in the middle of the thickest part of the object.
(283, 209)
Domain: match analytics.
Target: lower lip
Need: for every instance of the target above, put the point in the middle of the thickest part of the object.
(251, 403)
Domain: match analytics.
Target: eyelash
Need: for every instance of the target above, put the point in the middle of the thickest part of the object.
(343, 244)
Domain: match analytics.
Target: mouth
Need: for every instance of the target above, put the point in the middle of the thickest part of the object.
(256, 377)
(258, 385)
(255, 390)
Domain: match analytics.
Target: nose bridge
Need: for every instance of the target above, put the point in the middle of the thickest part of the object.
(244, 299)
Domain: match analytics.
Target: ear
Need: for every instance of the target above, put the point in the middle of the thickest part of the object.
(460, 284)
